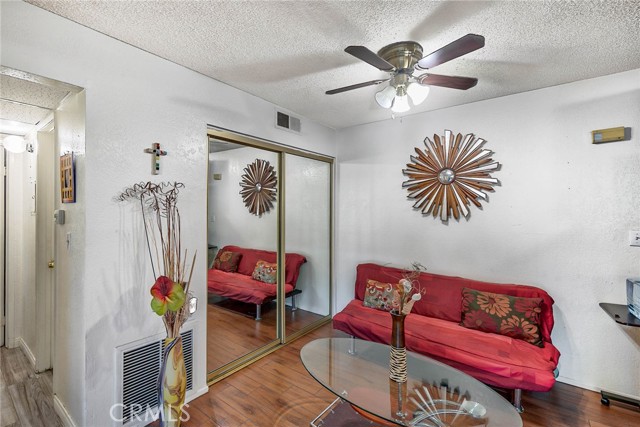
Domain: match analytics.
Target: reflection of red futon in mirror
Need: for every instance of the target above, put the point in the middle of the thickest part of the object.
(241, 286)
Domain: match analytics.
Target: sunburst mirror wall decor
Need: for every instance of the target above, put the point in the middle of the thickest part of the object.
(259, 183)
(449, 174)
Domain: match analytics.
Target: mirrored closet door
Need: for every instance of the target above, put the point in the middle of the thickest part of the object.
(308, 233)
(243, 230)
(270, 259)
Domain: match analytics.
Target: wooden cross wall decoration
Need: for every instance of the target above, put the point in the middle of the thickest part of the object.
(157, 152)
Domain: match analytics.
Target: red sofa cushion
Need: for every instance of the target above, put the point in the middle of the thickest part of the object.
(250, 257)
(242, 288)
(443, 294)
(494, 359)
(515, 317)
(227, 261)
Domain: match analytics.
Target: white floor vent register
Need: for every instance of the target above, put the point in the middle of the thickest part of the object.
(139, 367)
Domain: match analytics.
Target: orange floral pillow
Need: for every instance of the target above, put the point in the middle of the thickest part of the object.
(227, 261)
(515, 317)
(378, 295)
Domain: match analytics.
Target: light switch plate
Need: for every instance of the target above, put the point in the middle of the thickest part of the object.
(634, 238)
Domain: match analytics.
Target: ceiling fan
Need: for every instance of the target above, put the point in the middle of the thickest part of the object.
(401, 60)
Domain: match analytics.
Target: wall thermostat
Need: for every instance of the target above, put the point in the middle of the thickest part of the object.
(58, 215)
(610, 135)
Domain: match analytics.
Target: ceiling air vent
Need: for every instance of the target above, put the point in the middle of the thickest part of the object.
(140, 370)
(287, 122)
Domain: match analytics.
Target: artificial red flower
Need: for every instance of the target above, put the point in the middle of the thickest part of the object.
(167, 295)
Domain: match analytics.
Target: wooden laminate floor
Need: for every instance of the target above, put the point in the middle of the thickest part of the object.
(276, 391)
(26, 398)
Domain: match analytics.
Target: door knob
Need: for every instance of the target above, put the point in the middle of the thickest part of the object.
(51, 264)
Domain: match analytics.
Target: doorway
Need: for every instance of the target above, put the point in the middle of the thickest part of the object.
(28, 117)
(45, 244)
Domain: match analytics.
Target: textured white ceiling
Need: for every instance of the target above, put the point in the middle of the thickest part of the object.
(26, 100)
(291, 52)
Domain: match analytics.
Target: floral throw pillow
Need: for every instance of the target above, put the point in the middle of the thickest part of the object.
(265, 272)
(515, 317)
(378, 295)
(227, 261)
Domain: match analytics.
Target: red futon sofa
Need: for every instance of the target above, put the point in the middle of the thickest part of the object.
(433, 329)
(241, 286)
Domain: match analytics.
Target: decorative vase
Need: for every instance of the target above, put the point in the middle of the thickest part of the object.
(172, 383)
(398, 358)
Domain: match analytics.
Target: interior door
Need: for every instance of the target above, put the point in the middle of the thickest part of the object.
(44, 249)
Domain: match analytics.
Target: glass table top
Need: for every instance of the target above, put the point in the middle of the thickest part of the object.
(434, 395)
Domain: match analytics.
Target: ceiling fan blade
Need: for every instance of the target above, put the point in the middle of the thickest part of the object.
(371, 58)
(462, 46)
(356, 86)
(453, 82)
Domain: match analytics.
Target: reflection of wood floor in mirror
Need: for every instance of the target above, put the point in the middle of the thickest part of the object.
(232, 334)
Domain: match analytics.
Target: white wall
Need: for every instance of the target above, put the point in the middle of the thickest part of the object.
(73, 293)
(559, 221)
(133, 99)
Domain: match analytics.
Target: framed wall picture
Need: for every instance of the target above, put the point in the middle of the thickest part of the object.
(67, 178)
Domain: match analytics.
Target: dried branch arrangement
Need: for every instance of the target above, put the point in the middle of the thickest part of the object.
(161, 217)
(408, 289)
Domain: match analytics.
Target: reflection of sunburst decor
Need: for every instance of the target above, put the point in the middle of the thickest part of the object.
(449, 174)
(444, 407)
(259, 187)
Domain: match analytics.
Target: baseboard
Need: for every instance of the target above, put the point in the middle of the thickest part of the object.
(10, 343)
(27, 351)
(62, 412)
(196, 394)
(574, 383)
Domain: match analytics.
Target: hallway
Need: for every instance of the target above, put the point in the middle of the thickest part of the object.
(26, 398)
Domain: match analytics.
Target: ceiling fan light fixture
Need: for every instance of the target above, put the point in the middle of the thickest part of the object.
(401, 104)
(417, 92)
(385, 97)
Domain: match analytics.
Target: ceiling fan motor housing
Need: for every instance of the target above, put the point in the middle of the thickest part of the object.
(402, 55)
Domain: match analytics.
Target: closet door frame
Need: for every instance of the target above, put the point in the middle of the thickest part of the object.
(281, 337)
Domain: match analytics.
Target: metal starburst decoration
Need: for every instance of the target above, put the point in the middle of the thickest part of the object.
(259, 184)
(450, 174)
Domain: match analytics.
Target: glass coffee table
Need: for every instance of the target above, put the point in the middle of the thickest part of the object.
(435, 394)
